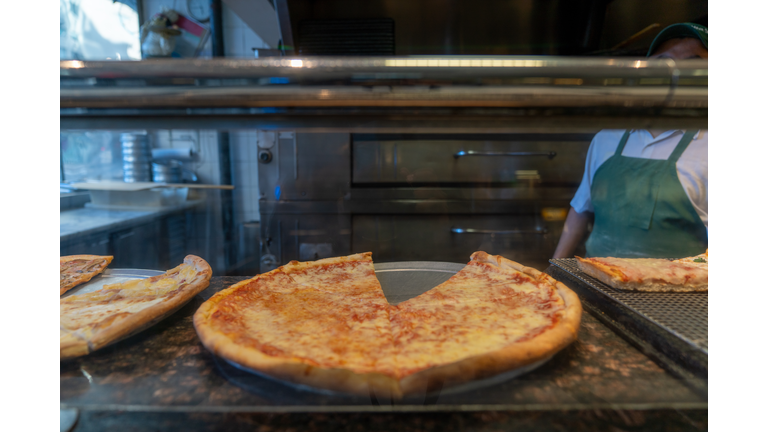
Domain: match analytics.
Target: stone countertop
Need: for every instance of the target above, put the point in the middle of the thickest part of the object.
(88, 220)
(598, 380)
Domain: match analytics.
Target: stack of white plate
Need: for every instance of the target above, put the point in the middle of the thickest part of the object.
(137, 157)
(168, 171)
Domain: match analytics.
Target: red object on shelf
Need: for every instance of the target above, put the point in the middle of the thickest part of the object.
(190, 25)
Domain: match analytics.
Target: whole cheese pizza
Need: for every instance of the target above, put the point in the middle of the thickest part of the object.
(78, 269)
(93, 320)
(327, 324)
(650, 274)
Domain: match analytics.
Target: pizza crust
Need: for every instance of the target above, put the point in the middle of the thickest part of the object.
(704, 257)
(510, 357)
(295, 371)
(72, 346)
(294, 265)
(82, 277)
(75, 344)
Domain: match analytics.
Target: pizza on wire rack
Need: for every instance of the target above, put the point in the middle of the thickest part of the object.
(689, 274)
(327, 324)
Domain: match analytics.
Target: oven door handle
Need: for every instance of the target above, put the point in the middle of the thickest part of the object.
(549, 154)
(484, 231)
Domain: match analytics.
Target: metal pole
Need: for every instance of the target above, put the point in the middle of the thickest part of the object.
(217, 29)
(225, 159)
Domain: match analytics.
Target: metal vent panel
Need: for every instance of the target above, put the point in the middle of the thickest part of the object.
(347, 37)
(683, 314)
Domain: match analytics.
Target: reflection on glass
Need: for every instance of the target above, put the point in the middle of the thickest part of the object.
(98, 30)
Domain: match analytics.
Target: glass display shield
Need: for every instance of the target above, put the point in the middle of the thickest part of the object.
(421, 161)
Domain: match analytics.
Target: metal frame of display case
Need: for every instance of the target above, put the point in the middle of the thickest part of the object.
(419, 94)
(387, 95)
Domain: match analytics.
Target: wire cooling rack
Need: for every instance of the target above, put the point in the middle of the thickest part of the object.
(683, 314)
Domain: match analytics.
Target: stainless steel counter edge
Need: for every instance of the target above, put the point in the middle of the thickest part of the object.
(390, 408)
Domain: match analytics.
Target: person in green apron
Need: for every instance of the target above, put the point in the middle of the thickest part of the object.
(645, 191)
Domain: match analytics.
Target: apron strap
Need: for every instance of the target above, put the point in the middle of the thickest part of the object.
(682, 145)
(622, 143)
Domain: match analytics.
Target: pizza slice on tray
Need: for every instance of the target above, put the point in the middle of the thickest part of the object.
(93, 320)
(650, 274)
(78, 269)
(493, 316)
(327, 324)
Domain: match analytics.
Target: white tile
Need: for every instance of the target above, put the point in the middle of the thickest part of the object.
(237, 178)
(152, 7)
(252, 40)
(253, 169)
(234, 41)
(162, 139)
(244, 176)
(238, 150)
(253, 149)
(242, 155)
(244, 194)
(245, 150)
(229, 18)
(184, 134)
(254, 179)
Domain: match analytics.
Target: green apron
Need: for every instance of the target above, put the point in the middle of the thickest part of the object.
(642, 210)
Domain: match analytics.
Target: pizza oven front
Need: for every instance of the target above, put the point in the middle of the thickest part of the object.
(415, 197)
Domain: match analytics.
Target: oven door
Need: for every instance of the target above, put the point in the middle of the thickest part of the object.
(454, 237)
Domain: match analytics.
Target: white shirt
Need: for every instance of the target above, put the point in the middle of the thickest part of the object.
(692, 167)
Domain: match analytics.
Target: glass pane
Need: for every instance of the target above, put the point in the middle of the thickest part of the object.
(99, 30)
(421, 161)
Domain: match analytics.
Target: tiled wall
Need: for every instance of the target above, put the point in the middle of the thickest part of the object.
(239, 39)
(245, 166)
(206, 166)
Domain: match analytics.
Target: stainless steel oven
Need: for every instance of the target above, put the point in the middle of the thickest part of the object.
(415, 196)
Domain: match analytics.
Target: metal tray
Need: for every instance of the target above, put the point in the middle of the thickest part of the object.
(400, 281)
(112, 276)
(684, 315)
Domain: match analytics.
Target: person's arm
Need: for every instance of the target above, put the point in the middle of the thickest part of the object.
(573, 231)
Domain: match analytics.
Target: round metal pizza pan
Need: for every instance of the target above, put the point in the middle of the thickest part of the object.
(113, 276)
(400, 281)
(275, 388)
(68, 418)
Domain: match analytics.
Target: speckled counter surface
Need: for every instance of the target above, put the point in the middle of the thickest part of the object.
(165, 378)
